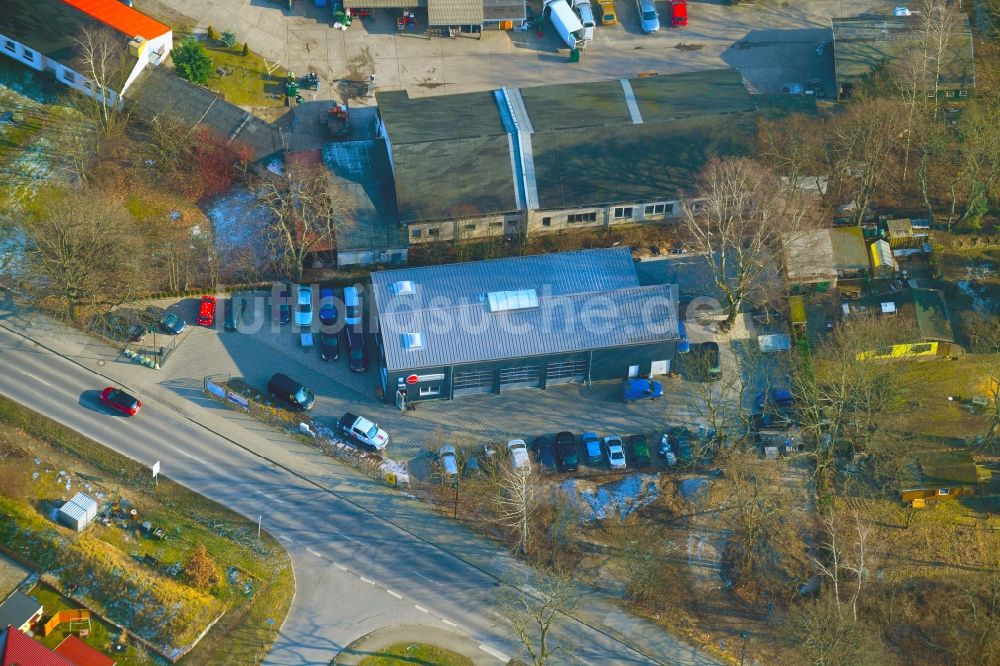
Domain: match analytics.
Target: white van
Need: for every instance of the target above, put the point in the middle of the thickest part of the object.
(566, 23)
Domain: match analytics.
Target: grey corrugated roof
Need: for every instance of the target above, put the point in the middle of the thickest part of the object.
(469, 333)
(159, 91)
(496, 10)
(438, 117)
(448, 309)
(861, 44)
(556, 274)
(454, 12)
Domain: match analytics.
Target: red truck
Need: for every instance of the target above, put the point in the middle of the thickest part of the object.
(206, 311)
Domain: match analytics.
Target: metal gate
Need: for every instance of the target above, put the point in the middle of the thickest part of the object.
(565, 372)
(472, 381)
(528, 376)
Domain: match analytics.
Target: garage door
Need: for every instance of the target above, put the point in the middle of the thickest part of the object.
(529, 376)
(565, 372)
(473, 381)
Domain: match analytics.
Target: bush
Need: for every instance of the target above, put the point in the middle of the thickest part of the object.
(246, 49)
(212, 34)
(229, 39)
(192, 61)
(200, 569)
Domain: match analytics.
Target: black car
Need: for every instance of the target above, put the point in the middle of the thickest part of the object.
(680, 440)
(172, 324)
(356, 349)
(639, 449)
(329, 346)
(542, 446)
(709, 361)
(566, 451)
(284, 306)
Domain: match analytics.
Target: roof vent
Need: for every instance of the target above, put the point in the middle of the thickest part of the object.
(412, 340)
(505, 301)
(403, 288)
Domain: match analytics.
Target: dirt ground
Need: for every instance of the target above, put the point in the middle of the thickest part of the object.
(12, 575)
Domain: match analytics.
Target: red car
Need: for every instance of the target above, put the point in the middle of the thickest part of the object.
(206, 313)
(120, 400)
(679, 17)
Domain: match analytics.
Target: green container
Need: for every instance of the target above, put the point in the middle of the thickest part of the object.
(574, 55)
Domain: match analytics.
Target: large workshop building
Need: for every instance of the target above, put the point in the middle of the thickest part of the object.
(523, 322)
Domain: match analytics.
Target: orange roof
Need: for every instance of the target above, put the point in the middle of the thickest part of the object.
(124, 19)
(82, 654)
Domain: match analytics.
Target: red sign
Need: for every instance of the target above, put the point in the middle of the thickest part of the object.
(412, 379)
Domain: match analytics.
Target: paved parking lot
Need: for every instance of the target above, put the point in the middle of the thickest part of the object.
(770, 42)
(263, 348)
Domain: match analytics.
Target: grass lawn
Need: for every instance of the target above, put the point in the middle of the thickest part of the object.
(244, 80)
(416, 653)
(106, 561)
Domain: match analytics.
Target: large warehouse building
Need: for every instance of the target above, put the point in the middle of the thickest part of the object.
(522, 322)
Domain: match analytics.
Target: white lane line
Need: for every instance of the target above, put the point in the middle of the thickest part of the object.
(312, 552)
(449, 622)
(340, 566)
(192, 457)
(40, 381)
(398, 596)
(365, 580)
(284, 538)
(495, 653)
(426, 578)
(421, 609)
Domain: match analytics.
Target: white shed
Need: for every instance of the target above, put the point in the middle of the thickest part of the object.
(78, 512)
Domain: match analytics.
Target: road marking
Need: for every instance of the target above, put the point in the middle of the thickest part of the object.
(495, 653)
(421, 609)
(40, 381)
(449, 622)
(398, 596)
(340, 566)
(426, 578)
(365, 580)
(284, 538)
(313, 552)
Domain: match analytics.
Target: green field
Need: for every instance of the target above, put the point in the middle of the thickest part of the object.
(415, 653)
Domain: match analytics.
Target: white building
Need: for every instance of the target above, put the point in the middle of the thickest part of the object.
(42, 34)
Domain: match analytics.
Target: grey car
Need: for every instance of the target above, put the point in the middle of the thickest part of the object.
(647, 14)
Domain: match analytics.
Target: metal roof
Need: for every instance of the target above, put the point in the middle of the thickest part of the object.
(849, 249)
(589, 299)
(495, 10)
(862, 44)
(85, 502)
(455, 12)
(48, 26)
(18, 649)
(808, 256)
(556, 274)
(121, 17)
(17, 609)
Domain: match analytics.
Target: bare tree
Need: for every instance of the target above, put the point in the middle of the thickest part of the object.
(306, 209)
(81, 250)
(533, 615)
(861, 146)
(643, 552)
(847, 550)
(516, 503)
(736, 221)
(102, 58)
(756, 502)
(827, 638)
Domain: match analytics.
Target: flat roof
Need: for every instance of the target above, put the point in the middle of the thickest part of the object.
(495, 10)
(849, 249)
(455, 12)
(940, 468)
(862, 44)
(808, 256)
(47, 26)
(438, 117)
(17, 608)
(587, 299)
(573, 105)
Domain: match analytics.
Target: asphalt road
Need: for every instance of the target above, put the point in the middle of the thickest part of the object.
(355, 573)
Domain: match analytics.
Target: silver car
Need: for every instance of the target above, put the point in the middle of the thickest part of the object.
(647, 14)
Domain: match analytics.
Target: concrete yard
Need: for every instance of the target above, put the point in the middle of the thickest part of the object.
(770, 43)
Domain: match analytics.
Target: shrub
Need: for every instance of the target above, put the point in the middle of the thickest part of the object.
(200, 568)
(246, 49)
(212, 34)
(229, 39)
(192, 61)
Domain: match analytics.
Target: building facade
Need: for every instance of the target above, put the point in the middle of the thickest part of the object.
(523, 322)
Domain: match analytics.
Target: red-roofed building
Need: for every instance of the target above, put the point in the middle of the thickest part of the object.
(17, 649)
(82, 654)
(43, 34)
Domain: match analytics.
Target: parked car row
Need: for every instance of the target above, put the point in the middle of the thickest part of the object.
(561, 453)
(351, 335)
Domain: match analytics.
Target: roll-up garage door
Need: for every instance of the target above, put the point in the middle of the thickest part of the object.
(565, 372)
(467, 382)
(528, 376)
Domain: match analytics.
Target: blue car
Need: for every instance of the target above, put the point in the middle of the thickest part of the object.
(683, 345)
(641, 389)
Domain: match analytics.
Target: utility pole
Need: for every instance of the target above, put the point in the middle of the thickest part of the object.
(259, 518)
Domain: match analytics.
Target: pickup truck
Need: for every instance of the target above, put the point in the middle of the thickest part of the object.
(360, 429)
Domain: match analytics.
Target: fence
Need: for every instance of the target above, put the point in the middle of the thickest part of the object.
(65, 616)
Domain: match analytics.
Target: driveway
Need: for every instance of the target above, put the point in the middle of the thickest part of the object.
(771, 43)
